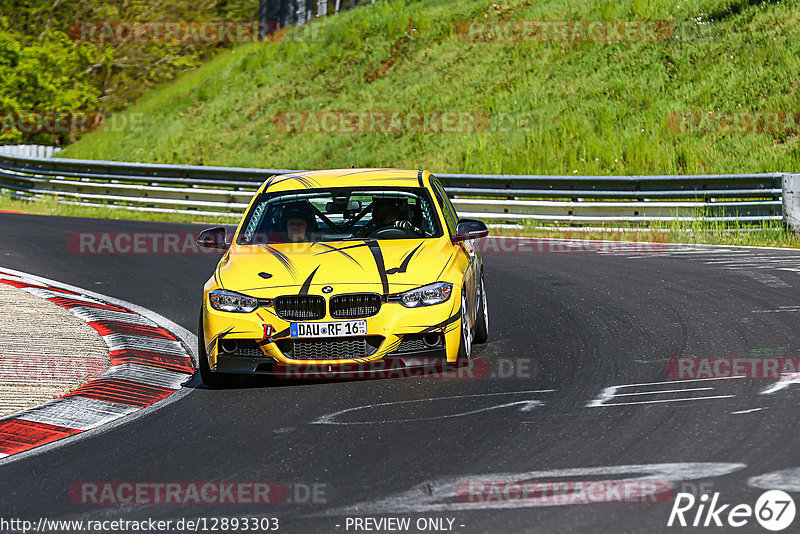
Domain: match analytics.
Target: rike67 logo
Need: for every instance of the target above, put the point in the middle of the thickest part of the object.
(774, 510)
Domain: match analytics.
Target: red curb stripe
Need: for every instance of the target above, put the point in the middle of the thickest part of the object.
(23, 285)
(17, 212)
(17, 435)
(105, 328)
(72, 303)
(153, 359)
(121, 392)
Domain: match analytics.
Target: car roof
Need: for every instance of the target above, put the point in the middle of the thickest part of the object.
(348, 178)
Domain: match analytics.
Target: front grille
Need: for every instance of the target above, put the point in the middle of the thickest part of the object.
(300, 307)
(355, 305)
(330, 349)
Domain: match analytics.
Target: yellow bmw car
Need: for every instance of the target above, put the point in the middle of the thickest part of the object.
(337, 269)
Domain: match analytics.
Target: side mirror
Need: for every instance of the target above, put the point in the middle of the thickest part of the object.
(213, 238)
(469, 229)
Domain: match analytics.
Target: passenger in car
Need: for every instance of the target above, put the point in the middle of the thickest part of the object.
(299, 223)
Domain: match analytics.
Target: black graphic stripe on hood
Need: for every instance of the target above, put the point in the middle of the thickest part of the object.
(307, 284)
(306, 182)
(283, 258)
(450, 257)
(404, 264)
(359, 245)
(375, 248)
(331, 248)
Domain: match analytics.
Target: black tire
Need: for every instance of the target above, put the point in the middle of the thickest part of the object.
(210, 378)
(465, 340)
(482, 316)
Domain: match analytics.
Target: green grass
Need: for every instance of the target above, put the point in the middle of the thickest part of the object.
(767, 234)
(586, 108)
(580, 109)
(51, 206)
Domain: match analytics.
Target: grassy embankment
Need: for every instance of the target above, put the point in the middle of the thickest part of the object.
(579, 108)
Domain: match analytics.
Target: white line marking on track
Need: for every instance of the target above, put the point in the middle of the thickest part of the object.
(783, 383)
(525, 406)
(785, 479)
(780, 310)
(609, 393)
(669, 400)
(747, 411)
(80, 413)
(662, 391)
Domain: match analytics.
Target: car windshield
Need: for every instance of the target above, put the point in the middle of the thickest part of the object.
(340, 214)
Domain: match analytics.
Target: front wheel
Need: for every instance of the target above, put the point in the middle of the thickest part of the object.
(210, 378)
(482, 317)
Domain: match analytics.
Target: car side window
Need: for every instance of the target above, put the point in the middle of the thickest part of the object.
(450, 216)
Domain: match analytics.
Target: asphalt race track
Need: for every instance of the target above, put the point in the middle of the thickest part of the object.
(564, 330)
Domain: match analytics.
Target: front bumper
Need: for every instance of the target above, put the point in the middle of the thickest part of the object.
(387, 330)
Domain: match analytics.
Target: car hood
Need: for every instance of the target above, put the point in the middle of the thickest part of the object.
(386, 266)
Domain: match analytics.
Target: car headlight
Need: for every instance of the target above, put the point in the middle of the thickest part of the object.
(228, 301)
(425, 295)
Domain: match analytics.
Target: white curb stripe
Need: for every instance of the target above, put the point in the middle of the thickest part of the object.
(79, 413)
(134, 342)
(91, 315)
(12, 277)
(145, 374)
(3, 455)
(49, 294)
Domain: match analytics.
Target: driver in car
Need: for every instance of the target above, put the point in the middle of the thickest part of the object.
(391, 213)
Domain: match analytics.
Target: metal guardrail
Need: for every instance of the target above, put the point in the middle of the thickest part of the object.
(30, 151)
(495, 198)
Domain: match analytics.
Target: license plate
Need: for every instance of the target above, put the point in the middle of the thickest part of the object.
(331, 329)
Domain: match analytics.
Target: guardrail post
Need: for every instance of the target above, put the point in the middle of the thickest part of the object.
(791, 201)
